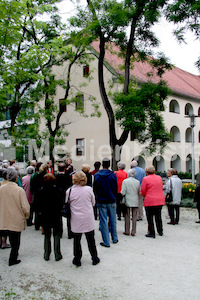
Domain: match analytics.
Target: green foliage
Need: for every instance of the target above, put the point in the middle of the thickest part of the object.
(140, 111)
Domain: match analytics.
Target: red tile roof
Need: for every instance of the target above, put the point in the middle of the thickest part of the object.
(179, 81)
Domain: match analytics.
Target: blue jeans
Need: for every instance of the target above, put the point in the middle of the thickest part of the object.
(105, 211)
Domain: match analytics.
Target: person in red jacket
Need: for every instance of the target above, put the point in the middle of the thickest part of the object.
(121, 175)
(154, 199)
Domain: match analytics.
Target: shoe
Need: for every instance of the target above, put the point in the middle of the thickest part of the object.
(102, 244)
(125, 233)
(46, 258)
(198, 222)
(76, 262)
(132, 234)
(171, 223)
(5, 246)
(119, 218)
(14, 262)
(150, 236)
(115, 242)
(160, 233)
(95, 261)
(58, 258)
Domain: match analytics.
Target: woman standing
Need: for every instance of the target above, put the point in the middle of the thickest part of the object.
(154, 199)
(14, 210)
(130, 191)
(81, 200)
(50, 203)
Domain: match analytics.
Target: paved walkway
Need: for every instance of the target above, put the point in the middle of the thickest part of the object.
(136, 268)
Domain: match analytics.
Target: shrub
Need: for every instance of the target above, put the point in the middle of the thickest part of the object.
(188, 190)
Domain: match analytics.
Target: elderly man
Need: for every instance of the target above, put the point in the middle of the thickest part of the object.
(14, 210)
(140, 174)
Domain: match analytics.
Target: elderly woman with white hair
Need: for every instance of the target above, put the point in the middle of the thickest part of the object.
(81, 199)
(14, 209)
(130, 191)
(154, 199)
(26, 186)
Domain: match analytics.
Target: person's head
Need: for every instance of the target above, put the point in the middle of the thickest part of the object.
(169, 172)
(33, 163)
(150, 170)
(133, 164)
(85, 168)
(106, 163)
(131, 172)
(12, 174)
(61, 167)
(97, 165)
(12, 162)
(30, 170)
(38, 166)
(49, 179)
(79, 178)
(43, 169)
(121, 165)
(5, 165)
(49, 163)
(174, 172)
(68, 161)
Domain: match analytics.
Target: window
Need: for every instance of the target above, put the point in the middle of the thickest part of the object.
(80, 151)
(188, 109)
(174, 107)
(86, 71)
(79, 102)
(133, 136)
(62, 105)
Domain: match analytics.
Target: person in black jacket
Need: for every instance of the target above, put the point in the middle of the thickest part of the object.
(50, 206)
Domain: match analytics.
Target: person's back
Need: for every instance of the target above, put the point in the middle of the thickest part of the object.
(105, 186)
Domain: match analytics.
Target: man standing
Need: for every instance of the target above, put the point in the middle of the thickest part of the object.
(140, 174)
(105, 190)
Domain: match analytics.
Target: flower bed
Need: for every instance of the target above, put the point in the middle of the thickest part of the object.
(188, 190)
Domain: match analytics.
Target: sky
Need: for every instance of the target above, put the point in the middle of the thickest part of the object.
(182, 55)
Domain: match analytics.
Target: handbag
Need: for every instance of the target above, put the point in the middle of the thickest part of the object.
(66, 207)
(169, 197)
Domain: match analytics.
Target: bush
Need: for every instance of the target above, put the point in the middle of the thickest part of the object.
(188, 202)
(188, 190)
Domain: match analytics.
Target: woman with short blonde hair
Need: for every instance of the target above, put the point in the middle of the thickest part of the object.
(81, 200)
(86, 170)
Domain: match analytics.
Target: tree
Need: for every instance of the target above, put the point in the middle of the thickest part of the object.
(109, 21)
(186, 15)
(33, 42)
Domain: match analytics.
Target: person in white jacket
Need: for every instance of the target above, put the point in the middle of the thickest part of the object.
(175, 184)
(131, 191)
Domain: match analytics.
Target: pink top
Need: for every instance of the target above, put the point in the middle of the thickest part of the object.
(26, 187)
(121, 175)
(152, 190)
(81, 203)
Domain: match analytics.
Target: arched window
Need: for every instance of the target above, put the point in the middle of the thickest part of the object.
(159, 163)
(174, 107)
(189, 109)
(175, 134)
(189, 163)
(188, 135)
(175, 162)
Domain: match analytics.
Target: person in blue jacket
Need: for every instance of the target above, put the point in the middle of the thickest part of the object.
(105, 190)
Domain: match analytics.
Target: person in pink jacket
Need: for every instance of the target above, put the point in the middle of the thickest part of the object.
(154, 199)
(81, 200)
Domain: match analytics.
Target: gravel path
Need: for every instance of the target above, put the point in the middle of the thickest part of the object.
(137, 268)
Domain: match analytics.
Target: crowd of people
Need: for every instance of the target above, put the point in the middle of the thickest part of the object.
(39, 198)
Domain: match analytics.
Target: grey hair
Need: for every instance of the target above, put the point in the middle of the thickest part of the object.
(5, 165)
(11, 174)
(134, 163)
(121, 165)
(30, 170)
(131, 172)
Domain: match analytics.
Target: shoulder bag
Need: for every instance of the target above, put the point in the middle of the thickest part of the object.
(66, 207)
(169, 197)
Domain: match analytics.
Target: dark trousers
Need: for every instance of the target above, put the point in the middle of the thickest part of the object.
(173, 208)
(30, 219)
(14, 238)
(90, 241)
(152, 211)
(47, 242)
